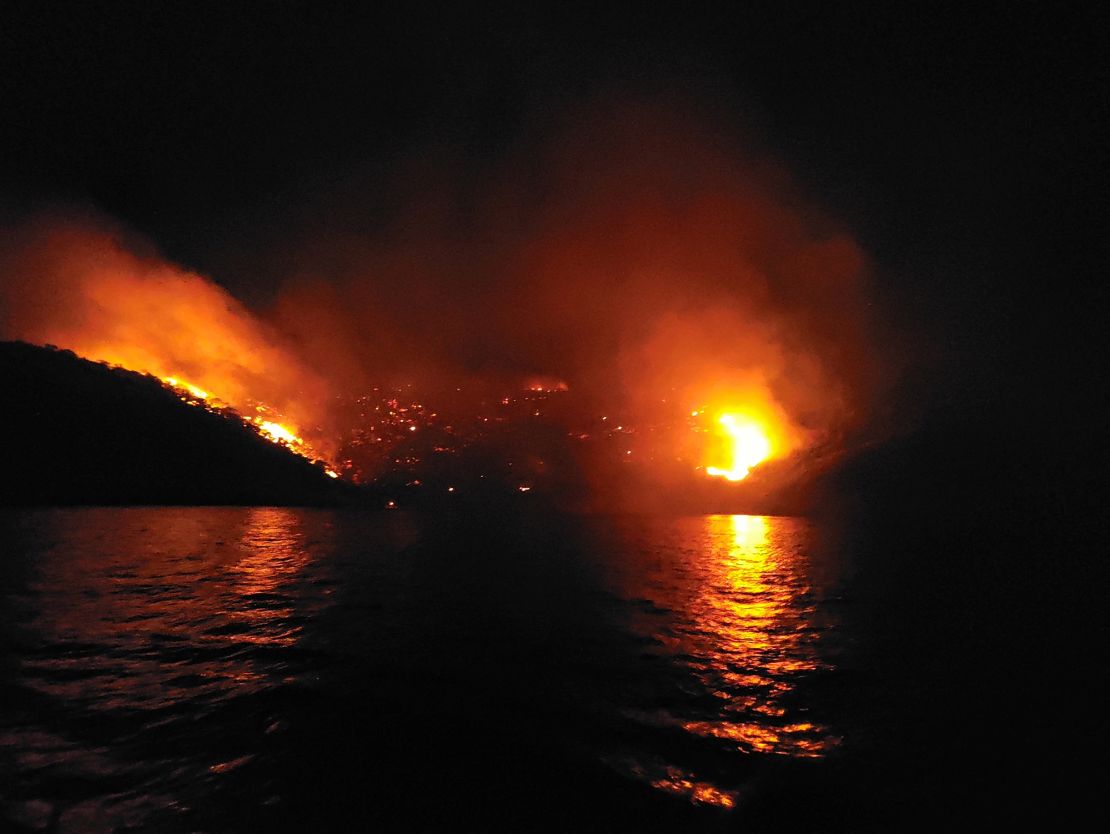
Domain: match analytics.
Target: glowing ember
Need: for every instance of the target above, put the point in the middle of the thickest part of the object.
(546, 385)
(748, 445)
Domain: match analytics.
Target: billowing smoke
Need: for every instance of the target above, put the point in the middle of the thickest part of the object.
(631, 249)
(636, 251)
(82, 283)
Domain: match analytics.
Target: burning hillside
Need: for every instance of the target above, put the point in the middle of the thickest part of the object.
(668, 311)
(278, 433)
(92, 434)
(79, 286)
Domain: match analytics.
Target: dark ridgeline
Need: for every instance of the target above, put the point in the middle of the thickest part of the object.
(81, 432)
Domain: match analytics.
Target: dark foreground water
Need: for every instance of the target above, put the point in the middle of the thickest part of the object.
(199, 669)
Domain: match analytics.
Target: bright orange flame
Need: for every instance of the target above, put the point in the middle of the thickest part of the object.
(174, 382)
(135, 311)
(748, 446)
(277, 432)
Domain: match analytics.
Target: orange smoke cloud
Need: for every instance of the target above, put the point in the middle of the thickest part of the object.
(675, 266)
(631, 249)
(634, 251)
(77, 283)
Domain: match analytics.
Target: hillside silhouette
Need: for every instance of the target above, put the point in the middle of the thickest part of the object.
(81, 432)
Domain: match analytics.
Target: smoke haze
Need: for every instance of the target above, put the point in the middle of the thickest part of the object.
(633, 249)
(636, 250)
(83, 283)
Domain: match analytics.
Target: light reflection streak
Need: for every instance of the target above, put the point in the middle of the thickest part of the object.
(753, 612)
(702, 793)
(273, 555)
(150, 618)
(172, 599)
(273, 550)
(731, 603)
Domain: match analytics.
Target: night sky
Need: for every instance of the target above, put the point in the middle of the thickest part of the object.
(958, 144)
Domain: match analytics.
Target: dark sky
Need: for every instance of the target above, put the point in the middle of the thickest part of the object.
(960, 144)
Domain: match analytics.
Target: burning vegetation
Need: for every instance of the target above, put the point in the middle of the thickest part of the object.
(669, 319)
(746, 445)
(90, 433)
(79, 285)
(273, 431)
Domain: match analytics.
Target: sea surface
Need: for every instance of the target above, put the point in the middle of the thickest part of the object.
(239, 669)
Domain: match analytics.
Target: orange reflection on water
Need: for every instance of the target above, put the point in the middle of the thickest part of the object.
(141, 621)
(273, 550)
(273, 554)
(760, 738)
(751, 634)
(701, 793)
(730, 600)
(171, 597)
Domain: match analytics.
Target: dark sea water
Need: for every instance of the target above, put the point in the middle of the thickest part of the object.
(237, 669)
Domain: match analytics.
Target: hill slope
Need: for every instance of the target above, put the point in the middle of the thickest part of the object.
(80, 432)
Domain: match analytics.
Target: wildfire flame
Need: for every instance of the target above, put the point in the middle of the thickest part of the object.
(278, 432)
(282, 434)
(199, 393)
(131, 309)
(747, 443)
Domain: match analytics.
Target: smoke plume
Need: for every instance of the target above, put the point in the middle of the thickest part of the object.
(83, 283)
(635, 250)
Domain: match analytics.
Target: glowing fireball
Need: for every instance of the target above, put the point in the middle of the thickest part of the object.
(747, 444)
